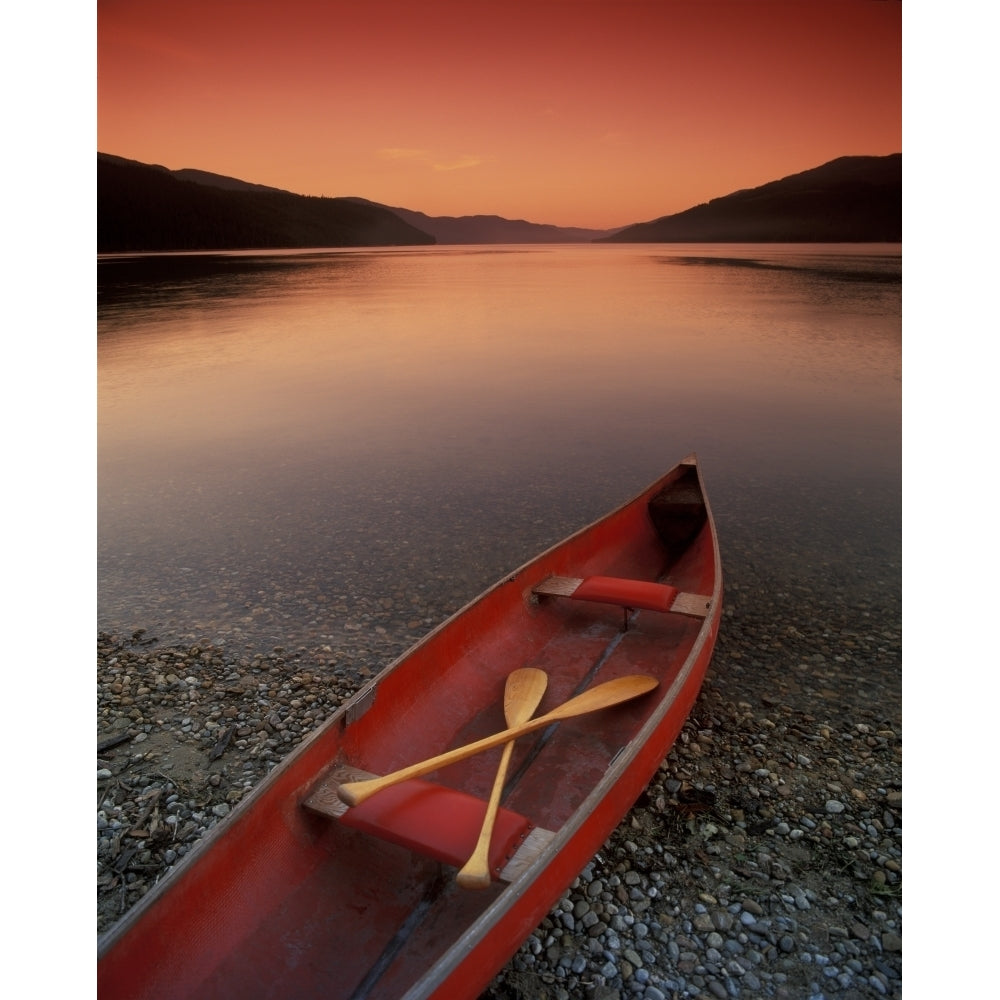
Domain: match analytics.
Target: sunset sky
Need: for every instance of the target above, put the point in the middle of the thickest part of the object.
(593, 113)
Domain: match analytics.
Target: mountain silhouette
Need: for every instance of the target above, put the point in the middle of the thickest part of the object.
(143, 207)
(853, 199)
(463, 229)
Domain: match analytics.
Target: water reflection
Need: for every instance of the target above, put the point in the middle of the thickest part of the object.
(305, 425)
(863, 266)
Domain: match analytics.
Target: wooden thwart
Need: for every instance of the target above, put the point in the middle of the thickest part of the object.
(627, 594)
(325, 801)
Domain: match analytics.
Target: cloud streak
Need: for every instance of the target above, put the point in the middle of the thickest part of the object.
(462, 163)
(397, 153)
(427, 158)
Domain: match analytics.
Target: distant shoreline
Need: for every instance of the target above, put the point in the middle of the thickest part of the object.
(144, 207)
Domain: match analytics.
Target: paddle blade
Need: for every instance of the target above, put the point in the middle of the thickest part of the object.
(523, 694)
(604, 696)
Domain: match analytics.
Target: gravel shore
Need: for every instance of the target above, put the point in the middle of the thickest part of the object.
(764, 859)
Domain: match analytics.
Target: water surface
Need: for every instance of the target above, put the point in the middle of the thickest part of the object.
(299, 444)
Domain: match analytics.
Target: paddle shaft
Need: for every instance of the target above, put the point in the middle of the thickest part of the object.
(603, 696)
(476, 873)
(523, 694)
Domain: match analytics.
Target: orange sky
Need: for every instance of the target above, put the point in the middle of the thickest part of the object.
(595, 113)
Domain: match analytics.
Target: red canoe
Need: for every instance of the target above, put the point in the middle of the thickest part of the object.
(295, 894)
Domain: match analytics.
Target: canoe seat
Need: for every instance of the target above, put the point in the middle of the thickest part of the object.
(628, 594)
(432, 820)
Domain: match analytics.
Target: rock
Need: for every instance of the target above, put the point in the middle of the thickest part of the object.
(891, 942)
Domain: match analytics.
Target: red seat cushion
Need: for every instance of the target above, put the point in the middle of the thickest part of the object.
(627, 593)
(438, 822)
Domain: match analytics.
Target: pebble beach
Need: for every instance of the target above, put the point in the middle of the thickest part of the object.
(763, 860)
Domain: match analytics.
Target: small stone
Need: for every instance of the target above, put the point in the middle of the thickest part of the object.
(891, 941)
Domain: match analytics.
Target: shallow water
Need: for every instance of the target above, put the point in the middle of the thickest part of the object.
(300, 444)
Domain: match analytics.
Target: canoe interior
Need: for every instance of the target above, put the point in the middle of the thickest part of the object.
(281, 902)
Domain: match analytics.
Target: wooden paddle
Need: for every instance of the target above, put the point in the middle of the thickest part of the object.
(521, 697)
(595, 698)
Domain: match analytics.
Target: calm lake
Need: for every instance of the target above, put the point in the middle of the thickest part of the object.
(295, 447)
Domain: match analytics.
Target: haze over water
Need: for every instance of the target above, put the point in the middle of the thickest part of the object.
(292, 442)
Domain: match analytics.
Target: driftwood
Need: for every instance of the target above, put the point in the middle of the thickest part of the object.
(151, 797)
(220, 748)
(113, 741)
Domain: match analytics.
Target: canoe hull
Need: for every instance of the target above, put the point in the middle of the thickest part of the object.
(278, 901)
